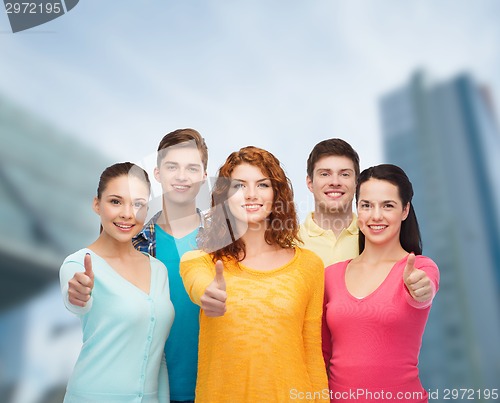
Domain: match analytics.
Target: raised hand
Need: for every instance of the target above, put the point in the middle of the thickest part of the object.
(81, 285)
(417, 282)
(213, 301)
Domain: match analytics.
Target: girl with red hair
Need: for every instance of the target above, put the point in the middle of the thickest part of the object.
(261, 296)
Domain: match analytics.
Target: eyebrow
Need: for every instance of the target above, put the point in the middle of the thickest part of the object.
(176, 163)
(244, 181)
(330, 170)
(383, 201)
(120, 197)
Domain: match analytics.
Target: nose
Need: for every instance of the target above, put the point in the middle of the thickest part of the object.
(334, 180)
(127, 210)
(250, 193)
(181, 174)
(376, 212)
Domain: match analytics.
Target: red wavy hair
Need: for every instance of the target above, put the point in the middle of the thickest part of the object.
(282, 223)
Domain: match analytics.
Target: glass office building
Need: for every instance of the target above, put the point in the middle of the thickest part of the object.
(445, 136)
(47, 183)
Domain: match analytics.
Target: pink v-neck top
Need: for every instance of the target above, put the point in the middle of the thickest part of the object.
(372, 343)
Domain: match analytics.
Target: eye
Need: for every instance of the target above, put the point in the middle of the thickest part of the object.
(364, 205)
(170, 167)
(115, 201)
(323, 174)
(139, 205)
(346, 174)
(264, 185)
(238, 185)
(194, 169)
(389, 206)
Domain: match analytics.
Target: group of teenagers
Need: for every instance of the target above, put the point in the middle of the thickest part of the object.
(266, 309)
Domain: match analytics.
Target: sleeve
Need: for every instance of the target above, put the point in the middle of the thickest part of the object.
(163, 389)
(66, 273)
(197, 272)
(426, 264)
(326, 336)
(312, 327)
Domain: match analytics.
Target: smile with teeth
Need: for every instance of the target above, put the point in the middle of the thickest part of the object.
(334, 194)
(377, 227)
(180, 187)
(251, 207)
(124, 226)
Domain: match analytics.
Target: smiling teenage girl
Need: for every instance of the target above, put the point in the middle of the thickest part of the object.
(376, 305)
(122, 298)
(261, 296)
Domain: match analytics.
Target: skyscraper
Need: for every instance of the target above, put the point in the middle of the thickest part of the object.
(445, 136)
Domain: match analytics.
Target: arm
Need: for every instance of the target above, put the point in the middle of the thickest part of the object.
(326, 336)
(163, 389)
(312, 329)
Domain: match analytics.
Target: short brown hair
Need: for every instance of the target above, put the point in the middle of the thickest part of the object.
(183, 138)
(329, 147)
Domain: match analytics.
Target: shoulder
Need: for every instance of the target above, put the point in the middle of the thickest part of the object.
(76, 257)
(307, 256)
(424, 261)
(195, 255)
(336, 267)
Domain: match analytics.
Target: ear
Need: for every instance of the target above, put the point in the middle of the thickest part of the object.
(406, 211)
(309, 183)
(156, 174)
(95, 206)
(204, 177)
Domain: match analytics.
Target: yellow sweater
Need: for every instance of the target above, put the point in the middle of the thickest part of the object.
(267, 346)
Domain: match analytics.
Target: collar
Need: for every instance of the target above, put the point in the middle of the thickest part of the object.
(314, 229)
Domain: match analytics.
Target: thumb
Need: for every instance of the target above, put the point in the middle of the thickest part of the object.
(87, 263)
(219, 275)
(410, 266)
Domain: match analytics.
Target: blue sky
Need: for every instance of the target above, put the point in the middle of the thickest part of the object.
(280, 75)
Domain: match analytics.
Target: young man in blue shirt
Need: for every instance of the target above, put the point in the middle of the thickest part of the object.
(181, 170)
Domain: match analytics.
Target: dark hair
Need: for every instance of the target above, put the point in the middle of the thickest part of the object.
(183, 138)
(330, 147)
(409, 236)
(121, 169)
(282, 224)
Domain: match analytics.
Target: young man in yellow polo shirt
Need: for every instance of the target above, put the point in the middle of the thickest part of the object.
(331, 230)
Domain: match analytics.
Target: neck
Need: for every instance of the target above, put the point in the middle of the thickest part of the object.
(106, 246)
(255, 243)
(179, 220)
(332, 220)
(375, 253)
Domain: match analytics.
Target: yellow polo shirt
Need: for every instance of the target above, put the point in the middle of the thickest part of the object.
(326, 245)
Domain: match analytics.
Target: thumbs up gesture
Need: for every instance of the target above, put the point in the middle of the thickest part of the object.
(81, 285)
(417, 282)
(213, 301)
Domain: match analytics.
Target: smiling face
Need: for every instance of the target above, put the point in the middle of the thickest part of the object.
(380, 211)
(123, 207)
(250, 197)
(181, 174)
(333, 184)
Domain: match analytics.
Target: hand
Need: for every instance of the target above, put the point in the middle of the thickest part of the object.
(81, 285)
(417, 282)
(213, 301)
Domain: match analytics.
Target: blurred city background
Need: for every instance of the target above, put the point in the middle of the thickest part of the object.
(412, 83)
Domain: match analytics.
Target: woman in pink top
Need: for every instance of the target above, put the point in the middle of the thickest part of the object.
(377, 305)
